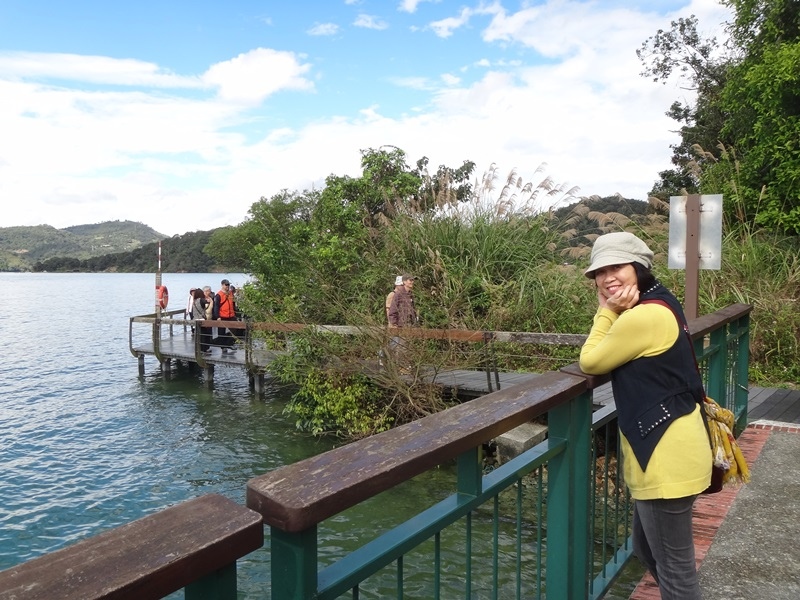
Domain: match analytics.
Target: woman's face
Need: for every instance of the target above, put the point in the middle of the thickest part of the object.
(613, 278)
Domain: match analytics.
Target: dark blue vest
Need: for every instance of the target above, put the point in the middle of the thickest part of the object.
(651, 392)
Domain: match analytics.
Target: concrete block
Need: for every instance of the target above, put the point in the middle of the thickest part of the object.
(518, 440)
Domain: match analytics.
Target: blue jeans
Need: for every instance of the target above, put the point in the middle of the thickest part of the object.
(663, 541)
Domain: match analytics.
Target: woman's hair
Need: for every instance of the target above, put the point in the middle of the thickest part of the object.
(644, 277)
(197, 293)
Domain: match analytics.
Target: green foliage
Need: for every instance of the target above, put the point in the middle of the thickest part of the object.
(762, 269)
(321, 256)
(25, 246)
(229, 246)
(329, 399)
(747, 106)
(447, 187)
(387, 183)
(499, 261)
(765, 121)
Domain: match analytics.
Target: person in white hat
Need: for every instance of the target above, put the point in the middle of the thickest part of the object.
(402, 312)
(398, 283)
(639, 336)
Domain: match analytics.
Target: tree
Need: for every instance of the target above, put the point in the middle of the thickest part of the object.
(741, 136)
(683, 51)
(447, 187)
(387, 182)
(762, 104)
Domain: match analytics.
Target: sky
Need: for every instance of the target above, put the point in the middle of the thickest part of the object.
(181, 115)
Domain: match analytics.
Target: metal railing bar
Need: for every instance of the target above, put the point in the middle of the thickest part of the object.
(603, 581)
(383, 550)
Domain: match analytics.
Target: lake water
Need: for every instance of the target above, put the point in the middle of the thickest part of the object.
(86, 444)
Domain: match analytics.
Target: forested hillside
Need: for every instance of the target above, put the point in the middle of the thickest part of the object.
(22, 247)
(179, 254)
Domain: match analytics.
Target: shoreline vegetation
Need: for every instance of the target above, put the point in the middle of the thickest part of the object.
(506, 264)
(489, 260)
(499, 255)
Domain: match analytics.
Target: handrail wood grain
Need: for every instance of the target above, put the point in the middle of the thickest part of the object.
(301, 495)
(147, 558)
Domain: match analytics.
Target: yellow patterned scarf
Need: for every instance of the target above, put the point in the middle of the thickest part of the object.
(725, 450)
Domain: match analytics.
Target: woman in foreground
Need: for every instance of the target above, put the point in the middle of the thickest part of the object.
(638, 336)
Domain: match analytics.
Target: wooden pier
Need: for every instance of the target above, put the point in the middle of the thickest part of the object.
(172, 340)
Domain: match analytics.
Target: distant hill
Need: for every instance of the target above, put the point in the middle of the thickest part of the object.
(22, 247)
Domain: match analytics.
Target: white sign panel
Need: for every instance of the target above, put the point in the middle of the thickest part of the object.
(710, 242)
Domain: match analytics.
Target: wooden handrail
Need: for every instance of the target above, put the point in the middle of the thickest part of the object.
(350, 474)
(462, 335)
(148, 558)
(705, 324)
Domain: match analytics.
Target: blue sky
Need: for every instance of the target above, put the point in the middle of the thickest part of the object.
(183, 114)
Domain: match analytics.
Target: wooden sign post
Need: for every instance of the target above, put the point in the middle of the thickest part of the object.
(695, 241)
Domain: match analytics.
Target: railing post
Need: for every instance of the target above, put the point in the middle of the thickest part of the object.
(293, 564)
(568, 478)
(741, 376)
(470, 474)
(220, 585)
(488, 362)
(718, 367)
(469, 484)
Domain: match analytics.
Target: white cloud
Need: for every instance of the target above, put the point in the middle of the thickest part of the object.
(168, 158)
(324, 29)
(450, 80)
(444, 28)
(252, 76)
(414, 83)
(90, 69)
(370, 22)
(410, 6)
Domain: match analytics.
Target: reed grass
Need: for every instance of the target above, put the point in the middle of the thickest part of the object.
(508, 264)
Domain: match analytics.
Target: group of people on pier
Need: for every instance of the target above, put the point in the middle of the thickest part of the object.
(203, 305)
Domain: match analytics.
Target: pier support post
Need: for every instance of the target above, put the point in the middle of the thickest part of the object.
(208, 375)
(140, 359)
(258, 383)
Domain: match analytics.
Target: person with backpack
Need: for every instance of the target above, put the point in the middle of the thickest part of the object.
(398, 283)
(224, 310)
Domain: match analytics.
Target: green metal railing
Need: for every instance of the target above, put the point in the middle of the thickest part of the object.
(722, 346)
(553, 521)
(558, 508)
(571, 517)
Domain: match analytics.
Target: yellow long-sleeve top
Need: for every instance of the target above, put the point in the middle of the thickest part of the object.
(680, 465)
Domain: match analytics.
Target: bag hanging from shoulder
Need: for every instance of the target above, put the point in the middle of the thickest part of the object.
(730, 466)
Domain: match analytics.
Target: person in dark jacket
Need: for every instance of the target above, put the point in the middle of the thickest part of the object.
(398, 283)
(402, 312)
(639, 335)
